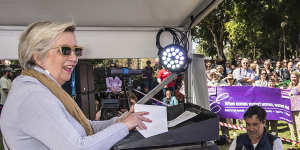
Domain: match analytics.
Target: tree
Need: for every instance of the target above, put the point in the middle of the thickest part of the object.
(251, 29)
(210, 33)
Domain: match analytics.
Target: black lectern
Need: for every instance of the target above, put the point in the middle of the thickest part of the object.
(195, 131)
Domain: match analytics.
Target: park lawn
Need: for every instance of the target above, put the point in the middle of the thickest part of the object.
(283, 131)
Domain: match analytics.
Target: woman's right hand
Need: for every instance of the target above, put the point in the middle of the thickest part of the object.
(135, 119)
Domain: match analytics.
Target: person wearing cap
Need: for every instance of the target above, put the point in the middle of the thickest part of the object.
(215, 78)
(5, 84)
(220, 70)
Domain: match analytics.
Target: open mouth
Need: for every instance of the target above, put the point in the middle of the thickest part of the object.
(68, 68)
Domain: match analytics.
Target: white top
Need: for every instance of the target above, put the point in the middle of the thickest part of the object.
(277, 145)
(34, 119)
(241, 73)
(261, 83)
(5, 83)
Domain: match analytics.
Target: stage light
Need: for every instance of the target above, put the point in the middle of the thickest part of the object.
(176, 58)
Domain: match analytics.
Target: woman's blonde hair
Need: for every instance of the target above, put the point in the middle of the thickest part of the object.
(38, 38)
(297, 75)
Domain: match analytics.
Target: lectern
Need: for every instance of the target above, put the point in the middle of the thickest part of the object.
(191, 134)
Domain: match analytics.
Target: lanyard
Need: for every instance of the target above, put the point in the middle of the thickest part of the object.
(73, 83)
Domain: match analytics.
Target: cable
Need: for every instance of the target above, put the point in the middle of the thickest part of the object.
(179, 38)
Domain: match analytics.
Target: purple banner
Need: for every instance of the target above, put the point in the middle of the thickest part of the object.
(233, 101)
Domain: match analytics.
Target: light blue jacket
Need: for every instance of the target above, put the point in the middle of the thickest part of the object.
(172, 102)
(34, 119)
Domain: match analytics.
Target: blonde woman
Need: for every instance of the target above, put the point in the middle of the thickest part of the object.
(38, 113)
(294, 86)
(215, 79)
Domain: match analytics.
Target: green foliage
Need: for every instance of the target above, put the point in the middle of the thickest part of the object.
(250, 29)
(210, 33)
(205, 41)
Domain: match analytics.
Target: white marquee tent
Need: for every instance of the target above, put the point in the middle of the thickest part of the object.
(106, 28)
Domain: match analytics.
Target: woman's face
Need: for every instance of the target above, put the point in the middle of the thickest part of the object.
(168, 94)
(263, 75)
(266, 65)
(290, 66)
(60, 66)
(294, 78)
(232, 67)
(278, 64)
(220, 70)
(208, 65)
(214, 76)
(298, 67)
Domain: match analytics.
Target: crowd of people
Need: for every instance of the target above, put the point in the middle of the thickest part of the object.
(247, 72)
(264, 73)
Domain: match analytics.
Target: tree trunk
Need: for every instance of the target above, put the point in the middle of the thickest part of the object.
(219, 44)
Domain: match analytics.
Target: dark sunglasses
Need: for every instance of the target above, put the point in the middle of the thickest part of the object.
(67, 50)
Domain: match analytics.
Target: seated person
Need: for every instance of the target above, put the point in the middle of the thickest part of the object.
(169, 99)
(113, 84)
(131, 100)
(257, 136)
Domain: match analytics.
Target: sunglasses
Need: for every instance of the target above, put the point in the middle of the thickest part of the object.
(67, 50)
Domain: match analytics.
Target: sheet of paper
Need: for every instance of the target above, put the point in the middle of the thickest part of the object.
(158, 115)
(181, 118)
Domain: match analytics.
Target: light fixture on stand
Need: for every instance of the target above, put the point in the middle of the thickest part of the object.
(173, 57)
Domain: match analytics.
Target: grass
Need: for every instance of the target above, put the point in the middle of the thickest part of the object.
(283, 131)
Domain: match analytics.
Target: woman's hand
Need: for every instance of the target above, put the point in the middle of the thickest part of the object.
(133, 120)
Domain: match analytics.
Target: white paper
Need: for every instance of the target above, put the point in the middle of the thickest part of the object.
(158, 115)
(181, 118)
